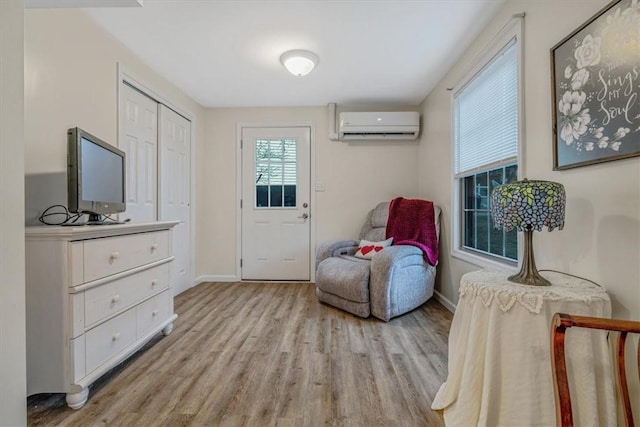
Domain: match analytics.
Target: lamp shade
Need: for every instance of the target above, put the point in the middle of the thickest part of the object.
(299, 62)
(528, 205)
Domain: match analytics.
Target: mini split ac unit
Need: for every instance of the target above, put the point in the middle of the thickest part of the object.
(396, 125)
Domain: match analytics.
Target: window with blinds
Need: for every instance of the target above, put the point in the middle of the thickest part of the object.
(486, 116)
(276, 173)
(485, 150)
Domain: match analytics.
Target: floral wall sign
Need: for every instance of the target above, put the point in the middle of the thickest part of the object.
(596, 89)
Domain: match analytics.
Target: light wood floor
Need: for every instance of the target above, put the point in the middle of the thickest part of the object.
(248, 354)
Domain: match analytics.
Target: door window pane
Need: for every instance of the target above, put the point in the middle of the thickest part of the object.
(276, 173)
(262, 196)
(290, 196)
(276, 195)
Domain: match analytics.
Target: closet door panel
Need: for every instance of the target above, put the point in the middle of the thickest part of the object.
(139, 139)
(175, 191)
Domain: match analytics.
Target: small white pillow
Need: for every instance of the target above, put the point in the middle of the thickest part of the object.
(367, 249)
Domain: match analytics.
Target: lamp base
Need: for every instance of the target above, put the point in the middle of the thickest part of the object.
(527, 278)
(528, 274)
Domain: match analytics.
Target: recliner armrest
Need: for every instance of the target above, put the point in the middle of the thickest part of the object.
(334, 248)
(400, 281)
(397, 256)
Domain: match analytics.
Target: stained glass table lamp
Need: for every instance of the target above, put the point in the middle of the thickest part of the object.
(527, 206)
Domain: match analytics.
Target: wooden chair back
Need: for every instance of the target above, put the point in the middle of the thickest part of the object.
(560, 322)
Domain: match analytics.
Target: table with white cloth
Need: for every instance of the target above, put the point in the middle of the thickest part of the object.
(500, 360)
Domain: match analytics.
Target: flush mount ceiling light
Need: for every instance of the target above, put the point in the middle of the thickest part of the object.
(299, 62)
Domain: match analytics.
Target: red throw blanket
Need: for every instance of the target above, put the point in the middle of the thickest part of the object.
(412, 222)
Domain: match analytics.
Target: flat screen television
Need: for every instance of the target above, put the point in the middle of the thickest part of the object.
(95, 176)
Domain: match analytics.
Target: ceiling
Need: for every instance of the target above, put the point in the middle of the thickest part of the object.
(226, 53)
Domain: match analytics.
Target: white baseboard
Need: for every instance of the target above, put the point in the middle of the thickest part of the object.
(216, 278)
(445, 301)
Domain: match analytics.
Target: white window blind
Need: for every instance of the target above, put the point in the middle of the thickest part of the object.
(486, 116)
(276, 162)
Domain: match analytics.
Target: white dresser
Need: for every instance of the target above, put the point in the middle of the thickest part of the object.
(95, 295)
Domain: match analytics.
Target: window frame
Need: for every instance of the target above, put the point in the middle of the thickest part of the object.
(512, 30)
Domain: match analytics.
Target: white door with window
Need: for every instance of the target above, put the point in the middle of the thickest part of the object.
(276, 179)
(139, 140)
(175, 189)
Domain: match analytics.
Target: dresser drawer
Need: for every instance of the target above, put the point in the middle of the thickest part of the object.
(110, 298)
(103, 257)
(108, 339)
(153, 312)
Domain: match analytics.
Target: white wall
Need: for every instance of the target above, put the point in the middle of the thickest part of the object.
(601, 238)
(13, 384)
(71, 80)
(356, 176)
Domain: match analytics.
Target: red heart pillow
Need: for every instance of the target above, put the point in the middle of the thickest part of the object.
(367, 249)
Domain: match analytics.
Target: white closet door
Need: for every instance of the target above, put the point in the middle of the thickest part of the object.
(139, 140)
(175, 185)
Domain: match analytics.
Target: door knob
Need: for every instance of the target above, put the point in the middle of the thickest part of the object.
(304, 216)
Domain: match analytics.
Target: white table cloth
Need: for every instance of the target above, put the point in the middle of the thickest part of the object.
(500, 360)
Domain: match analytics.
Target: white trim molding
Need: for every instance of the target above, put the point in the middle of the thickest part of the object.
(215, 278)
(448, 304)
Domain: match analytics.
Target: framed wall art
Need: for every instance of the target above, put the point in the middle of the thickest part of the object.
(595, 79)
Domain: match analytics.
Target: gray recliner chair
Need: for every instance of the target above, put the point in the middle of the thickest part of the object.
(395, 281)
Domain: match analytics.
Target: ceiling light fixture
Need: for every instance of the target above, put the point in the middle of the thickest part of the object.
(299, 62)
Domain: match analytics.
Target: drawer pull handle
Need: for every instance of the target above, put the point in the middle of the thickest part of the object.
(115, 298)
(114, 255)
(154, 313)
(115, 337)
(154, 247)
(154, 282)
